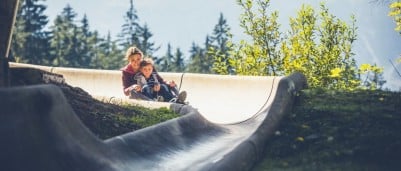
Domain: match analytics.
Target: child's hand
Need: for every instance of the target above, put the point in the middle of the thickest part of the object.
(136, 87)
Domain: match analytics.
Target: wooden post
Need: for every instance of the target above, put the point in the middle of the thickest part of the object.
(8, 12)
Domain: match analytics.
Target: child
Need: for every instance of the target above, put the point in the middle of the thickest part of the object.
(154, 87)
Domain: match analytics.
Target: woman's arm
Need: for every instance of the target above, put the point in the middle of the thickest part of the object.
(129, 83)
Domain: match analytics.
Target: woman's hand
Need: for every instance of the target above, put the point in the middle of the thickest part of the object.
(135, 87)
(171, 83)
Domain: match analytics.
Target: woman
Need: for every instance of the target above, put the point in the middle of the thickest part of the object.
(134, 57)
(130, 86)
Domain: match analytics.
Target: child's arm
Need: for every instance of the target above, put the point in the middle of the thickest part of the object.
(140, 80)
(159, 78)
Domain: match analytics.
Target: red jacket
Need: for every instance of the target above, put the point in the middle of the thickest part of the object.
(128, 78)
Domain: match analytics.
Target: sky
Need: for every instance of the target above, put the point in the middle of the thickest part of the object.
(183, 22)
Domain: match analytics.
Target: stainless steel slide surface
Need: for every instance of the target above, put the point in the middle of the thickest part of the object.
(224, 127)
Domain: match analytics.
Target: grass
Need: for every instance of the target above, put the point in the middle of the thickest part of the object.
(326, 130)
(338, 130)
(147, 117)
(124, 119)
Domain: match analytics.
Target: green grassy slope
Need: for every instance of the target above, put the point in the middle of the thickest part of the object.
(338, 130)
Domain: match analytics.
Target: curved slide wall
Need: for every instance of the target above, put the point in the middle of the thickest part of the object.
(225, 127)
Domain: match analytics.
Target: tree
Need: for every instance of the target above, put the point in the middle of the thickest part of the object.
(85, 44)
(197, 55)
(131, 29)
(395, 12)
(201, 61)
(147, 47)
(65, 43)
(373, 76)
(31, 43)
(262, 56)
(220, 47)
(164, 63)
(107, 54)
(319, 45)
(319, 50)
(178, 61)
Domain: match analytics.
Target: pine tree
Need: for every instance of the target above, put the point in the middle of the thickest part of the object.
(30, 43)
(200, 60)
(196, 57)
(64, 40)
(86, 44)
(108, 55)
(147, 47)
(178, 61)
(131, 29)
(164, 63)
(220, 47)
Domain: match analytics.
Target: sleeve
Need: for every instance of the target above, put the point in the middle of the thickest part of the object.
(140, 79)
(127, 82)
(125, 79)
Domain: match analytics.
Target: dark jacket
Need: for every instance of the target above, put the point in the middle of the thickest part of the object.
(152, 80)
(128, 78)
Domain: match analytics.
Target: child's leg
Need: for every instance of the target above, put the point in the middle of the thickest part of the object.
(174, 90)
(165, 92)
(148, 92)
(138, 95)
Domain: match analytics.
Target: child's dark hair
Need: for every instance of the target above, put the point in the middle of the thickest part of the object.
(146, 62)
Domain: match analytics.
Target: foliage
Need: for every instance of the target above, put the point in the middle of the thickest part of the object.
(373, 76)
(30, 42)
(165, 62)
(68, 43)
(63, 38)
(178, 61)
(131, 29)
(201, 61)
(396, 14)
(337, 130)
(147, 117)
(219, 47)
(318, 44)
(198, 63)
(262, 57)
(148, 48)
(107, 54)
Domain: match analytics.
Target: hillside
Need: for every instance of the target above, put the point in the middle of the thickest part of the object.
(338, 130)
(105, 120)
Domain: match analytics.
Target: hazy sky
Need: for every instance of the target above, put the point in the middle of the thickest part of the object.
(181, 22)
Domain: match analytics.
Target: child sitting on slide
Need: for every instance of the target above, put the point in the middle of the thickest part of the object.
(154, 87)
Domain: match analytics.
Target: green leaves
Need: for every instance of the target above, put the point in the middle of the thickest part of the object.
(318, 44)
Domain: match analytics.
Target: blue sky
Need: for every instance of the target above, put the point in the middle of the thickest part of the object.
(181, 22)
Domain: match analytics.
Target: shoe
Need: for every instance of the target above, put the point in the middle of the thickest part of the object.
(173, 100)
(160, 99)
(181, 97)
